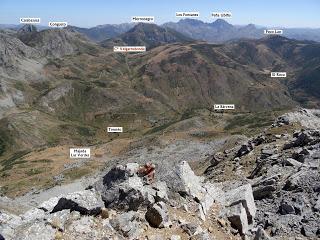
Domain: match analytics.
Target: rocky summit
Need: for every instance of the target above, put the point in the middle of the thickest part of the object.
(128, 203)
(272, 193)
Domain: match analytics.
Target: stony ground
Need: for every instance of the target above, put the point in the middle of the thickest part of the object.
(264, 187)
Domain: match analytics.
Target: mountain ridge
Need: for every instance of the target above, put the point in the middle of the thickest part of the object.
(193, 28)
(149, 35)
(221, 31)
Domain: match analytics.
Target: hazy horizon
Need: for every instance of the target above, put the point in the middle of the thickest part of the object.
(235, 24)
(286, 14)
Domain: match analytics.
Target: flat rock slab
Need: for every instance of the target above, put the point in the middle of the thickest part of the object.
(85, 202)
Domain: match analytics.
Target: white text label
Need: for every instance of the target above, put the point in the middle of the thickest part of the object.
(115, 129)
(224, 106)
(79, 152)
(58, 24)
(221, 15)
(29, 20)
(273, 31)
(187, 14)
(278, 74)
(143, 19)
(129, 48)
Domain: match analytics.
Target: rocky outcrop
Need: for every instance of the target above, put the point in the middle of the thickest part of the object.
(280, 198)
(303, 138)
(237, 204)
(283, 170)
(249, 146)
(308, 118)
(19, 60)
(127, 224)
(157, 215)
(187, 182)
(285, 186)
(135, 202)
(124, 188)
(236, 214)
(242, 196)
(265, 187)
(57, 43)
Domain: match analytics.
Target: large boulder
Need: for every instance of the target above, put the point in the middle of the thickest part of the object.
(8, 224)
(212, 194)
(130, 187)
(303, 138)
(263, 191)
(300, 154)
(58, 219)
(265, 187)
(243, 195)
(87, 202)
(239, 208)
(237, 215)
(187, 182)
(127, 224)
(261, 235)
(305, 178)
(245, 149)
(157, 215)
(85, 227)
(191, 185)
(38, 230)
(33, 214)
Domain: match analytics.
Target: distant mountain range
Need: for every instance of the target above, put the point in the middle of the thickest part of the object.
(103, 32)
(57, 85)
(221, 31)
(216, 32)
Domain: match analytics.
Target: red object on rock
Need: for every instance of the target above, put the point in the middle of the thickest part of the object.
(147, 171)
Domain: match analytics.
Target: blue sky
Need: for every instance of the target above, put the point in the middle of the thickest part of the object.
(86, 13)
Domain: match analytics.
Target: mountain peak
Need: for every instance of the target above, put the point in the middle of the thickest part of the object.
(250, 26)
(28, 28)
(193, 22)
(152, 35)
(221, 24)
(145, 27)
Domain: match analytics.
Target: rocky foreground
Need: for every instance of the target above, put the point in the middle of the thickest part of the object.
(276, 197)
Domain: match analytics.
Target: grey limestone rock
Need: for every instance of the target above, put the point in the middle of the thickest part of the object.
(127, 224)
(244, 195)
(157, 215)
(237, 215)
(124, 189)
